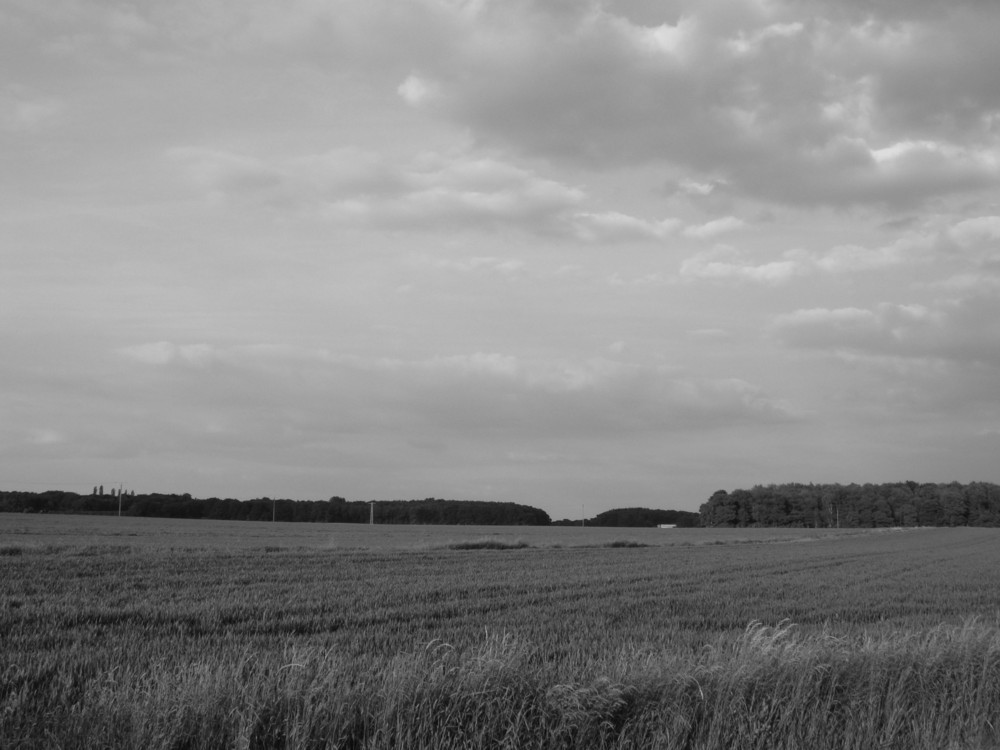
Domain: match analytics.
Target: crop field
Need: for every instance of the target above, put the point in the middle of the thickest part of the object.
(124, 633)
(33, 530)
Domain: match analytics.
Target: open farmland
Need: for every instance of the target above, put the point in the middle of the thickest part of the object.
(33, 530)
(145, 633)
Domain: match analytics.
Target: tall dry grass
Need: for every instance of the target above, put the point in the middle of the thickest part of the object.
(773, 687)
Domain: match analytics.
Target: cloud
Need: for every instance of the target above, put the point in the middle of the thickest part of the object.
(714, 228)
(915, 362)
(932, 66)
(850, 327)
(961, 330)
(473, 395)
(911, 248)
(971, 242)
(966, 284)
(803, 104)
(166, 353)
(429, 191)
(612, 226)
(416, 90)
(475, 192)
(727, 265)
(977, 238)
(26, 111)
(854, 258)
(222, 174)
(822, 102)
(479, 264)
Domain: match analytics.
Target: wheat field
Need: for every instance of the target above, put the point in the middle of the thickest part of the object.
(168, 634)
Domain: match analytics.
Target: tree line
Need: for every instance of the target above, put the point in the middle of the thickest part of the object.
(856, 505)
(636, 518)
(334, 510)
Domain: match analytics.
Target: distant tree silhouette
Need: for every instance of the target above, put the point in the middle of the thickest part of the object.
(334, 510)
(856, 506)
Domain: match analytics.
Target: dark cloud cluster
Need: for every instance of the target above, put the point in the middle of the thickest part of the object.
(796, 103)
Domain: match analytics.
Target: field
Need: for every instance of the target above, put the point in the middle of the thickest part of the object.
(122, 633)
(33, 530)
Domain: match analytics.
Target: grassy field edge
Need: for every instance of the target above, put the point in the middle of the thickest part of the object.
(773, 687)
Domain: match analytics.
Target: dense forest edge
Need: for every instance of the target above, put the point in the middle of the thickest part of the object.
(790, 505)
(334, 510)
(431, 510)
(856, 505)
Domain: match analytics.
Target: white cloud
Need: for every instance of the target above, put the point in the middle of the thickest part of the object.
(728, 265)
(693, 187)
(932, 363)
(970, 242)
(430, 191)
(714, 228)
(963, 330)
(850, 327)
(851, 258)
(479, 393)
(166, 353)
(912, 248)
(612, 226)
(749, 44)
(471, 192)
(972, 232)
(416, 90)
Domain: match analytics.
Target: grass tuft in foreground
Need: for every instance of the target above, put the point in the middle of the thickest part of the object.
(771, 688)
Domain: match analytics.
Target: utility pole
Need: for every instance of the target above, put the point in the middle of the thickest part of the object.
(119, 499)
(371, 517)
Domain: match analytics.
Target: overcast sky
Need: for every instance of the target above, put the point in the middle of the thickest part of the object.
(575, 254)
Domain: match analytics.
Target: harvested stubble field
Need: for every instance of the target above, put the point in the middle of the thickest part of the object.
(124, 633)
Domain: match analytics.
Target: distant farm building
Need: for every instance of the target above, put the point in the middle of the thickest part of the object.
(667, 526)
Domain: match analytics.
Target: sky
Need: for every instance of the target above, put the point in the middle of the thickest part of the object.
(577, 254)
